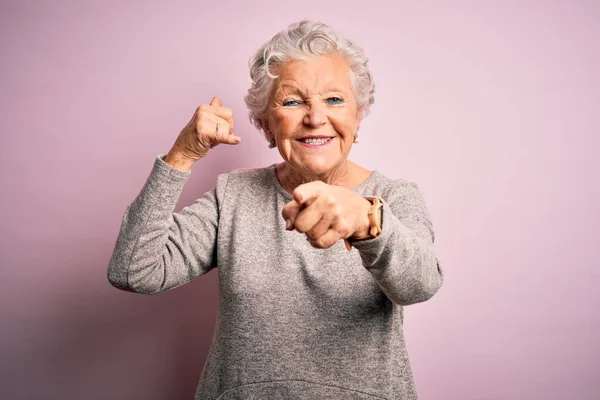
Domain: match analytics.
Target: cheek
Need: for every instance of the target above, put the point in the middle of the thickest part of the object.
(275, 119)
(285, 149)
(284, 123)
(345, 123)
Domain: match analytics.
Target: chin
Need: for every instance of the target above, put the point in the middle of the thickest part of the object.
(320, 168)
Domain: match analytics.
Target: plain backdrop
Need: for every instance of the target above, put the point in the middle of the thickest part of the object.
(492, 107)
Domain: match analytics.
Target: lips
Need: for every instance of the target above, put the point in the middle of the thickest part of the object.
(315, 140)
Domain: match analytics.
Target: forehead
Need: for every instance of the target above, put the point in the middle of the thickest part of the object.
(316, 74)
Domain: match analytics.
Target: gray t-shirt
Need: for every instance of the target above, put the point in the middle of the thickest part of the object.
(294, 322)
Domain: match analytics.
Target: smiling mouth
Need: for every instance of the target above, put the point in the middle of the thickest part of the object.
(315, 141)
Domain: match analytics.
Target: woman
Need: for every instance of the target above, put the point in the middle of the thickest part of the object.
(300, 316)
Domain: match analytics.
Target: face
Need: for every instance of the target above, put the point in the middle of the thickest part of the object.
(313, 115)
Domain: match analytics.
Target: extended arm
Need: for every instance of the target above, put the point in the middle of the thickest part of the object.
(402, 259)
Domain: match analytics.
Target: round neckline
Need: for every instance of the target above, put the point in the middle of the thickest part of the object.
(289, 196)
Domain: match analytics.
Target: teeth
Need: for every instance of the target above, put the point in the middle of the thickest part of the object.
(316, 142)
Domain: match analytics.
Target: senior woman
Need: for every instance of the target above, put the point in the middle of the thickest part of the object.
(317, 256)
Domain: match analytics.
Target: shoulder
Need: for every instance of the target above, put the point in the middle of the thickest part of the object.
(404, 196)
(247, 175)
(243, 179)
(406, 201)
(387, 188)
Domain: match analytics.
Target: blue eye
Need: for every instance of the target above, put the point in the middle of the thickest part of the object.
(289, 103)
(335, 100)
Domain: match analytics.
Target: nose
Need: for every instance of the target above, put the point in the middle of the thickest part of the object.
(315, 115)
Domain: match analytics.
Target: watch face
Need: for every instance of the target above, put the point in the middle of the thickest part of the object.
(378, 215)
(375, 216)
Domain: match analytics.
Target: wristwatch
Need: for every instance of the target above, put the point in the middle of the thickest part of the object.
(375, 216)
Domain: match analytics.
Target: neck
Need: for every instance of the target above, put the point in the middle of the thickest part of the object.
(290, 179)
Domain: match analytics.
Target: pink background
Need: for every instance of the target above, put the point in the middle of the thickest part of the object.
(491, 107)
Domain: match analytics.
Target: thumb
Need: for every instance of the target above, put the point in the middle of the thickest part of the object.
(289, 212)
(231, 139)
(216, 101)
(307, 193)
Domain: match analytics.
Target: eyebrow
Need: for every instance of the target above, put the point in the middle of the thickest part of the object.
(291, 88)
(295, 89)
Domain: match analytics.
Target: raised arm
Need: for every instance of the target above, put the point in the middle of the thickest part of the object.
(157, 249)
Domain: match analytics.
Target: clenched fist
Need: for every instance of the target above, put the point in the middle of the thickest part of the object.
(211, 124)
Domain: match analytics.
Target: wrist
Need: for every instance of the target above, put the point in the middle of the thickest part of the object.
(364, 226)
(179, 161)
(374, 217)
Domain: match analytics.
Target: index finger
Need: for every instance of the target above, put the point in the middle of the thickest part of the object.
(216, 101)
(307, 193)
(226, 114)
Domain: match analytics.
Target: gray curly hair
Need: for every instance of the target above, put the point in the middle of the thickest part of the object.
(300, 41)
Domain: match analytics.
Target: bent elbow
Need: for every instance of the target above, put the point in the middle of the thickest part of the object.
(431, 287)
(120, 277)
(424, 288)
(117, 276)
